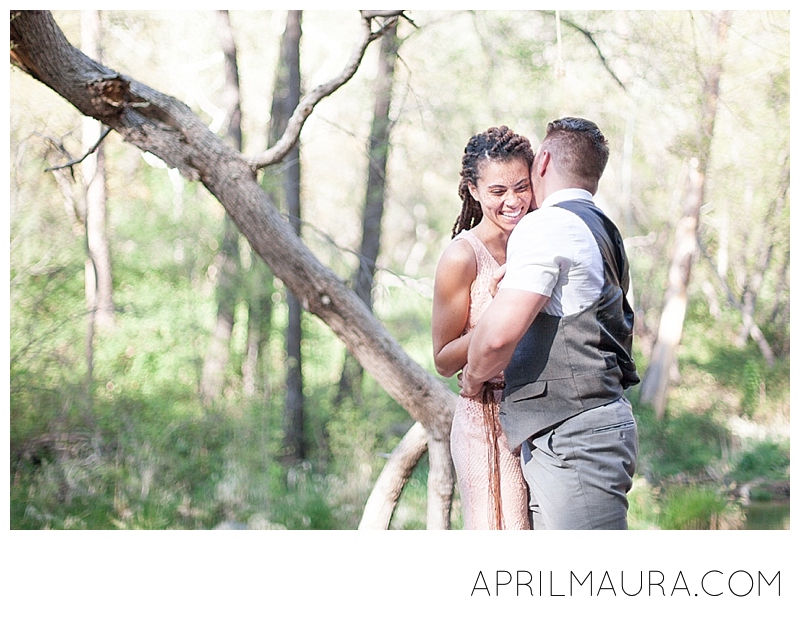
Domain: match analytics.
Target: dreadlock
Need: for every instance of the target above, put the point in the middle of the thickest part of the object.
(494, 144)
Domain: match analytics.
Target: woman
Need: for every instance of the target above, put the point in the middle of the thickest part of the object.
(496, 193)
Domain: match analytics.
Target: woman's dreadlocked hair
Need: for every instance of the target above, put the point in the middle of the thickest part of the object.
(496, 143)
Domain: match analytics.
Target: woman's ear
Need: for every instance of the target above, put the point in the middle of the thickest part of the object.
(473, 192)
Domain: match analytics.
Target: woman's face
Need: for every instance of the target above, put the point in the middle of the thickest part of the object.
(503, 191)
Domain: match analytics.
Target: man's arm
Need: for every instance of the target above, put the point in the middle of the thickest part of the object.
(496, 335)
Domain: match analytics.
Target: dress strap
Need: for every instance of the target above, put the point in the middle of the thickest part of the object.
(477, 245)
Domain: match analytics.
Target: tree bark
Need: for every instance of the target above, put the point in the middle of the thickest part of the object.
(441, 481)
(166, 127)
(294, 440)
(656, 380)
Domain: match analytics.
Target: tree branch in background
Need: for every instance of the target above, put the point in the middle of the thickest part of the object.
(75, 162)
(590, 37)
(307, 103)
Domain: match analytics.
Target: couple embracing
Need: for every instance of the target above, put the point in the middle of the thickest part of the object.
(543, 435)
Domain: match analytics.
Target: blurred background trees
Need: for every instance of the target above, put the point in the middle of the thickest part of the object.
(155, 441)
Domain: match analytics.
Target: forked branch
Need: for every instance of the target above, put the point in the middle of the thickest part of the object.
(75, 162)
(307, 103)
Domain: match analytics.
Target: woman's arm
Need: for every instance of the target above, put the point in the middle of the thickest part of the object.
(455, 273)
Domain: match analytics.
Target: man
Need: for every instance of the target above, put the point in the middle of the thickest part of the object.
(562, 329)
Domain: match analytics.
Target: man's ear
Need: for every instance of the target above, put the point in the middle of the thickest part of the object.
(543, 163)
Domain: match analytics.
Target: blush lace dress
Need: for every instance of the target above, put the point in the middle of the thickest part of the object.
(490, 482)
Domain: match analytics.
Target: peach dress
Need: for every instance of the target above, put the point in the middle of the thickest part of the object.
(493, 491)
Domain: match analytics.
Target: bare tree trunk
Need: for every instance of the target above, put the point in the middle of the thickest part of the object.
(441, 481)
(781, 285)
(294, 439)
(100, 282)
(383, 499)
(746, 307)
(75, 206)
(278, 186)
(755, 277)
(352, 373)
(232, 93)
(378, 161)
(215, 364)
(88, 411)
(166, 127)
(656, 380)
(260, 282)
(259, 322)
(97, 279)
(212, 380)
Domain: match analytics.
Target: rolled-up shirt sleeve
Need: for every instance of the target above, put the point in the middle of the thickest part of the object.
(533, 260)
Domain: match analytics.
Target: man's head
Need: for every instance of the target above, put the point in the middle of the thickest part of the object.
(574, 153)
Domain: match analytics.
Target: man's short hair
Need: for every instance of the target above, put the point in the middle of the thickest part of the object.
(578, 148)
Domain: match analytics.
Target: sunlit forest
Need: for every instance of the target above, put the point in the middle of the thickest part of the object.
(169, 364)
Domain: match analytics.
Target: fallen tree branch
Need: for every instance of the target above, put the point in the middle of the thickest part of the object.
(166, 127)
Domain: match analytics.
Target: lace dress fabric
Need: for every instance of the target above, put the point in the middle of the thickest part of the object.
(490, 482)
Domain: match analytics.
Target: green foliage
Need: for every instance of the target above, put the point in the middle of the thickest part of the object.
(766, 459)
(643, 506)
(685, 443)
(304, 504)
(752, 384)
(698, 508)
(410, 513)
(728, 379)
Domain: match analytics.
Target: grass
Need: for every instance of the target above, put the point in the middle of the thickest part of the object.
(698, 508)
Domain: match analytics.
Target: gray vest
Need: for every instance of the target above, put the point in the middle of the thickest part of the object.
(563, 366)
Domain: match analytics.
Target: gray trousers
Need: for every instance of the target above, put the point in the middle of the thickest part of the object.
(579, 472)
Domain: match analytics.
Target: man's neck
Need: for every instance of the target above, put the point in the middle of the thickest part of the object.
(564, 194)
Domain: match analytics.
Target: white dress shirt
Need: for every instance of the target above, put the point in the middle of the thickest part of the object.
(552, 252)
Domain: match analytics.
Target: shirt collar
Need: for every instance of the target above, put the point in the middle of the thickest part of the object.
(563, 195)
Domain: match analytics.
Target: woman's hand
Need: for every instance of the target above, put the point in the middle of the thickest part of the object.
(497, 275)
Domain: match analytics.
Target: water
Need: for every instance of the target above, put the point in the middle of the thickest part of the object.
(767, 516)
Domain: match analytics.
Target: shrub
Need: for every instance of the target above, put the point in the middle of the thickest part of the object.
(767, 459)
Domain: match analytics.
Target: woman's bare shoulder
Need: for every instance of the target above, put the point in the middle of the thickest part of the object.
(459, 255)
